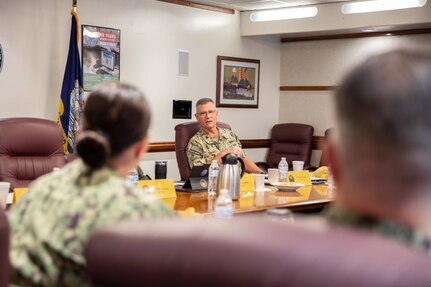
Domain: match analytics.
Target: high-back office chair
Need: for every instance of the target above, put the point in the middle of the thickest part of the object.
(250, 252)
(183, 133)
(323, 158)
(29, 148)
(292, 141)
(4, 250)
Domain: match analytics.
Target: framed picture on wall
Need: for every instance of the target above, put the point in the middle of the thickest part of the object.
(237, 82)
(100, 55)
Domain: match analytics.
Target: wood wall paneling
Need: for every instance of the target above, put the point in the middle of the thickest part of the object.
(246, 144)
(308, 88)
(355, 35)
(200, 6)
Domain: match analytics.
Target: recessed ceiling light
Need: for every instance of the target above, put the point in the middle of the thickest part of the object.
(388, 34)
(380, 5)
(368, 30)
(283, 14)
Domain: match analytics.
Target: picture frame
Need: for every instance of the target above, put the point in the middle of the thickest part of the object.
(100, 55)
(237, 82)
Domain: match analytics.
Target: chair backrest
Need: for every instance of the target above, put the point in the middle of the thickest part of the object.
(183, 133)
(4, 250)
(249, 252)
(323, 157)
(29, 148)
(292, 141)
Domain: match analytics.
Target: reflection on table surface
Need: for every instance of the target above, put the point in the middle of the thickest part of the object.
(306, 197)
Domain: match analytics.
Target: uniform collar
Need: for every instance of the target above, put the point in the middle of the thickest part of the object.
(209, 138)
(385, 227)
(94, 177)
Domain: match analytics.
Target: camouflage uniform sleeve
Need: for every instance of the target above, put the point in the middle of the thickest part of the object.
(195, 153)
(238, 143)
(138, 205)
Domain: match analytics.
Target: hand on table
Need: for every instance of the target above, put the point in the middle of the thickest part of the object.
(235, 150)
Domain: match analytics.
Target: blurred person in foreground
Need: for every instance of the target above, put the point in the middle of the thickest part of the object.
(52, 222)
(381, 154)
(211, 142)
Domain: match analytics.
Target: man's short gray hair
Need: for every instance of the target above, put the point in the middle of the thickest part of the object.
(204, 101)
(385, 104)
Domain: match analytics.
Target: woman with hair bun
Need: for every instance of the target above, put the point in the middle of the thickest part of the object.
(52, 222)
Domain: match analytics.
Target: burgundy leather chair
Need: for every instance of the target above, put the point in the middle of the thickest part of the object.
(292, 141)
(250, 252)
(183, 133)
(323, 158)
(29, 148)
(4, 250)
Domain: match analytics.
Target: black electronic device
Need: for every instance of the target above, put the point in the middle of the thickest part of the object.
(182, 109)
(198, 179)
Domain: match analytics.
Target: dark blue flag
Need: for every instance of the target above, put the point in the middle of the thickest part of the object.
(72, 93)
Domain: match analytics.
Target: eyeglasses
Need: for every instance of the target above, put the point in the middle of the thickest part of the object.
(210, 113)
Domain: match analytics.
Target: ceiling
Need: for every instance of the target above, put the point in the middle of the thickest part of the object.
(252, 5)
(249, 5)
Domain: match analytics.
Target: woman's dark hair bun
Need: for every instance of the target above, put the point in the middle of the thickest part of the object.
(93, 148)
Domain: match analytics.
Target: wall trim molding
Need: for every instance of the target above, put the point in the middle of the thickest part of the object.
(308, 88)
(355, 35)
(200, 6)
(246, 144)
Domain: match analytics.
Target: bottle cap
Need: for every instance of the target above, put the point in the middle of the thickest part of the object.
(283, 158)
(279, 211)
(214, 161)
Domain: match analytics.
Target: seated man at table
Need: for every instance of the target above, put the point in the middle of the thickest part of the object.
(381, 153)
(211, 142)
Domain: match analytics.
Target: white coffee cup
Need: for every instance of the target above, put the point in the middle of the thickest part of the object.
(4, 190)
(273, 175)
(259, 181)
(298, 165)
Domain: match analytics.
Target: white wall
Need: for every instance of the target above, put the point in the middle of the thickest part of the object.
(324, 63)
(35, 35)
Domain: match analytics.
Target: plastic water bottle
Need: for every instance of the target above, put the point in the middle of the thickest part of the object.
(283, 168)
(223, 205)
(133, 176)
(212, 178)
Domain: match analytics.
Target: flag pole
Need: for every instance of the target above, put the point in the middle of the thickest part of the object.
(74, 4)
(72, 93)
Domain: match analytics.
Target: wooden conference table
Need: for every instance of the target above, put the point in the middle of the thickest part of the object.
(305, 198)
(312, 197)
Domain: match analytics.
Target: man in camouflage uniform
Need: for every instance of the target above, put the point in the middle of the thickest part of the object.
(53, 221)
(381, 153)
(212, 143)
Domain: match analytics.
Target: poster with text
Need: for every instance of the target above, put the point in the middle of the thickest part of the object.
(100, 55)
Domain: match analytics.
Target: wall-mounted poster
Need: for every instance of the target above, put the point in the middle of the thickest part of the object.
(100, 55)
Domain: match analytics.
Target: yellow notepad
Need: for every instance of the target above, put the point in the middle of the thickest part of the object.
(246, 183)
(163, 188)
(17, 193)
(303, 177)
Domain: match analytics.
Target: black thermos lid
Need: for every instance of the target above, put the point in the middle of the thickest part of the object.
(229, 158)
